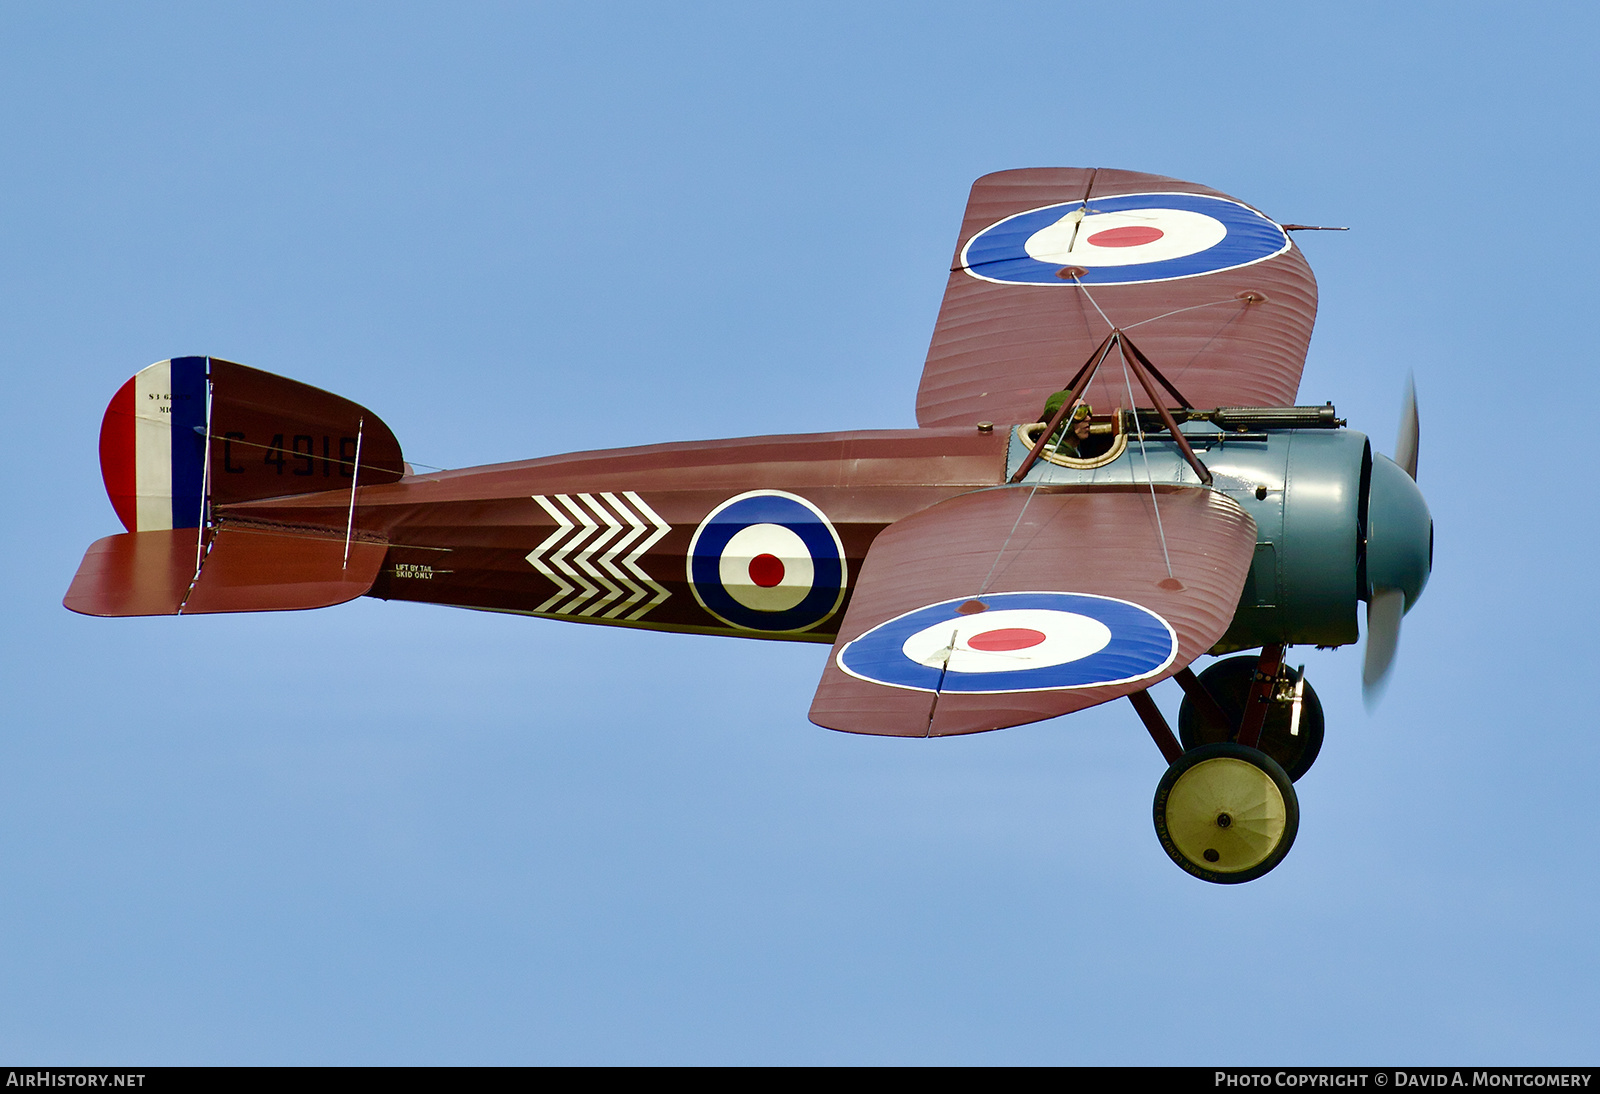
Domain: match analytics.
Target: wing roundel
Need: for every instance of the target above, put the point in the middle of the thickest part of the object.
(1008, 606)
(1050, 259)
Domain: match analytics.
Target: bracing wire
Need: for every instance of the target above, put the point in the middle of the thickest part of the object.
(984, 587)
(1078, 281)
(1055, 447)
(205, 490)
(1145, 455)
(341, 463)
(1180, 311)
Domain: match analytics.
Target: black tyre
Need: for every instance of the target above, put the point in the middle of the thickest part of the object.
(1226, 813)
(1294, 746)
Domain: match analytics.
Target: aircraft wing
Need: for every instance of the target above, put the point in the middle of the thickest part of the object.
(1214, 292)
(1011, 605)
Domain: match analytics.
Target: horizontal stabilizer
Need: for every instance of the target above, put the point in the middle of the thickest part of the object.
(251, 570)
(244, 570)
(136, 573)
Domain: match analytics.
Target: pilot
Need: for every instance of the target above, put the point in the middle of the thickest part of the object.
(1073, 432)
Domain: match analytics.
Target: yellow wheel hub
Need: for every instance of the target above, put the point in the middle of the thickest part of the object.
(1225, 815)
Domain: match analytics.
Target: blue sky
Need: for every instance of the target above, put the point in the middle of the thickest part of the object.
(388, 833)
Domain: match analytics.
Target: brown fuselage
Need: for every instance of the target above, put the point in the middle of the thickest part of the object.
(492, 537)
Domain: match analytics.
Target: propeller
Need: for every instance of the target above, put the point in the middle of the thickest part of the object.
(1384, 609)
(1405, 445)
(1387, 602)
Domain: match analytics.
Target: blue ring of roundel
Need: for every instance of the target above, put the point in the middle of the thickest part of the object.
(997, 252)
(1141, 645)
(826, 560)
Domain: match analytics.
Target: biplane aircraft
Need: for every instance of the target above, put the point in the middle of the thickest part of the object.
(985, 570)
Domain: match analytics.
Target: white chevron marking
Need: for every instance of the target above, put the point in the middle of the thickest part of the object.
(590, 581)
(635, 529)
(659, 529)
(536, 556)
(563, 561)
(585, 558)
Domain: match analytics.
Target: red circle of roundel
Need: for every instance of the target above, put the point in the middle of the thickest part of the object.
(1131, 236)
(1006, 638)
(766, 570)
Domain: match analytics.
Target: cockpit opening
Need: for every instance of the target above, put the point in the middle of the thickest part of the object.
(1092, 440)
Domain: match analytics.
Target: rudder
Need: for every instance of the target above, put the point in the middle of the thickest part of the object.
(192, 429)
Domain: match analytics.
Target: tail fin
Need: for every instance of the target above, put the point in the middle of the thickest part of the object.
(190, 427)
(193, 432)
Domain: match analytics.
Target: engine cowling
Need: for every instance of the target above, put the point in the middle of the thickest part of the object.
(1334, 522)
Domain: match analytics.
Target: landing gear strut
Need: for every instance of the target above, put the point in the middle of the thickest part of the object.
(1291, 725)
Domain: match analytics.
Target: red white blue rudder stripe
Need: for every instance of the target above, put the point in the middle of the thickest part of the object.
(1122, 240)
(1025, 641)
(153, 446)
(767, 561)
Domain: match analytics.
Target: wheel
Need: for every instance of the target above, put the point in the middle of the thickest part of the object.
(1226, 813)
(1293, 744)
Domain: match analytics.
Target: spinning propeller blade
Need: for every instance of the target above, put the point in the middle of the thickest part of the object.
(1405, 445)
(1384, 610)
